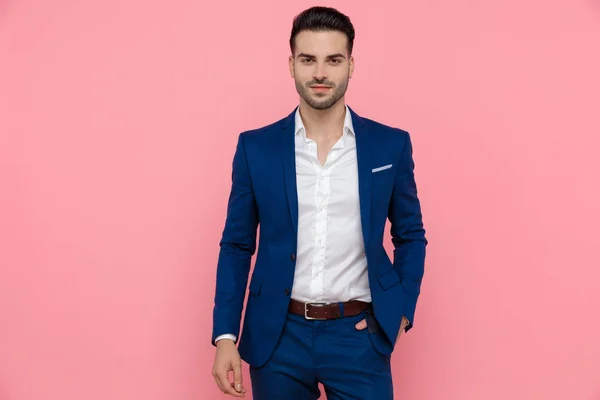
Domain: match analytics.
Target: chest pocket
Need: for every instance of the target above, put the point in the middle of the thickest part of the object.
(383, 174)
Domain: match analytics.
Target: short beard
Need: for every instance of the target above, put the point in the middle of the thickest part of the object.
(338, 93)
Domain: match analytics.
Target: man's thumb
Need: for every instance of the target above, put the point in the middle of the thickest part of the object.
(237, 376)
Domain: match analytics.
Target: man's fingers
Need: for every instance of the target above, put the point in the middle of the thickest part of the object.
(218, 383)
(361, 325)
(228, 359)
(237, 376)
(225, 385)
(215, 376)
(222, 381)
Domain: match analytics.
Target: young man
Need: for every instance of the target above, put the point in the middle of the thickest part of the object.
(326, 304)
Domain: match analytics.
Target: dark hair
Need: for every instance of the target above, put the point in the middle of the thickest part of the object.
(322, 19)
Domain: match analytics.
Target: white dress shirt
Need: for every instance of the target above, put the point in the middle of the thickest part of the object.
(331, 265)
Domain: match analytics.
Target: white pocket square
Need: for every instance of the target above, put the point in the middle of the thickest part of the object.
(382, 168)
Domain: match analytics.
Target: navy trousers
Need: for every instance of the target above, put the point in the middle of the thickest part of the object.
(332, 352)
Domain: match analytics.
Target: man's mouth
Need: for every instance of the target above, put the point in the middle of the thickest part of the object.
(320, 88)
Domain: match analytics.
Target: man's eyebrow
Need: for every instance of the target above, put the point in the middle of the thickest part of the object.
(337, 55)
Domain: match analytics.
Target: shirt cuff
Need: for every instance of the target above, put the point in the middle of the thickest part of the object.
(226, 336)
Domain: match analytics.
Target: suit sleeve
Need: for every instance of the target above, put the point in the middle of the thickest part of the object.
(408, 234)
(237, 245)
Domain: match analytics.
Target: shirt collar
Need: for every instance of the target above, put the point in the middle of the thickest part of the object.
(300, 130)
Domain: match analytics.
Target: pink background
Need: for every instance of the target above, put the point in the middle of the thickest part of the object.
(118, 122)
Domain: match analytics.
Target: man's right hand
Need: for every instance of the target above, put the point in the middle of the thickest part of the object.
(228, 359)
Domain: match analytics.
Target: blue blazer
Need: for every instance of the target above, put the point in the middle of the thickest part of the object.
(263, 192)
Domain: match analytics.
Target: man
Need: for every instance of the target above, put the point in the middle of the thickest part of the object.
(326, 304)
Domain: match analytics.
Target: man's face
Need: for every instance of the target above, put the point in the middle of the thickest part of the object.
(321, 67)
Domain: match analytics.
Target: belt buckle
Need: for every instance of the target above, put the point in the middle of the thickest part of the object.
(315, 305)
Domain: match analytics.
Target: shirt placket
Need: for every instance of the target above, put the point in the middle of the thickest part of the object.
(322, 193)
(322, 196)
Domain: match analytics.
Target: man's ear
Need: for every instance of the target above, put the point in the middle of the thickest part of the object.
(350, 66)
(291, 65)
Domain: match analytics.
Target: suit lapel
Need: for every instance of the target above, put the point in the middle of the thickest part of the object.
(288, 159)
(363, 155)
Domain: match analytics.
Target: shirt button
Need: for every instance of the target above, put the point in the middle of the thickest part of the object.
(287, 292)
(293, 258)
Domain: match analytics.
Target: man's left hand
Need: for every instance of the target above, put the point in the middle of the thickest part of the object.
(363, 324)
(403, 326)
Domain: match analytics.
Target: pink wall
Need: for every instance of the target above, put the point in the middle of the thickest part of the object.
(118, 121)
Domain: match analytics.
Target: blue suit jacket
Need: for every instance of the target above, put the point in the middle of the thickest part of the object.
(264, 192)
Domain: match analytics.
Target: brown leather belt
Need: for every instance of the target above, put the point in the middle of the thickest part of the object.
(323, 311)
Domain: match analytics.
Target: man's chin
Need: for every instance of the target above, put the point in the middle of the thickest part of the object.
(320, 105)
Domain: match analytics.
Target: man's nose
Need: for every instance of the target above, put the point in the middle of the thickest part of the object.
(320, 74)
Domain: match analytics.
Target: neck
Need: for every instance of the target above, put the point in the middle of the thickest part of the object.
(323, 123)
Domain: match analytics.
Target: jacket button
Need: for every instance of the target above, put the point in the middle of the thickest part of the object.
(287, 292)
(293, 257)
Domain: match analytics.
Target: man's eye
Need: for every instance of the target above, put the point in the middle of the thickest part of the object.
(336, 61)
(306, 60)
